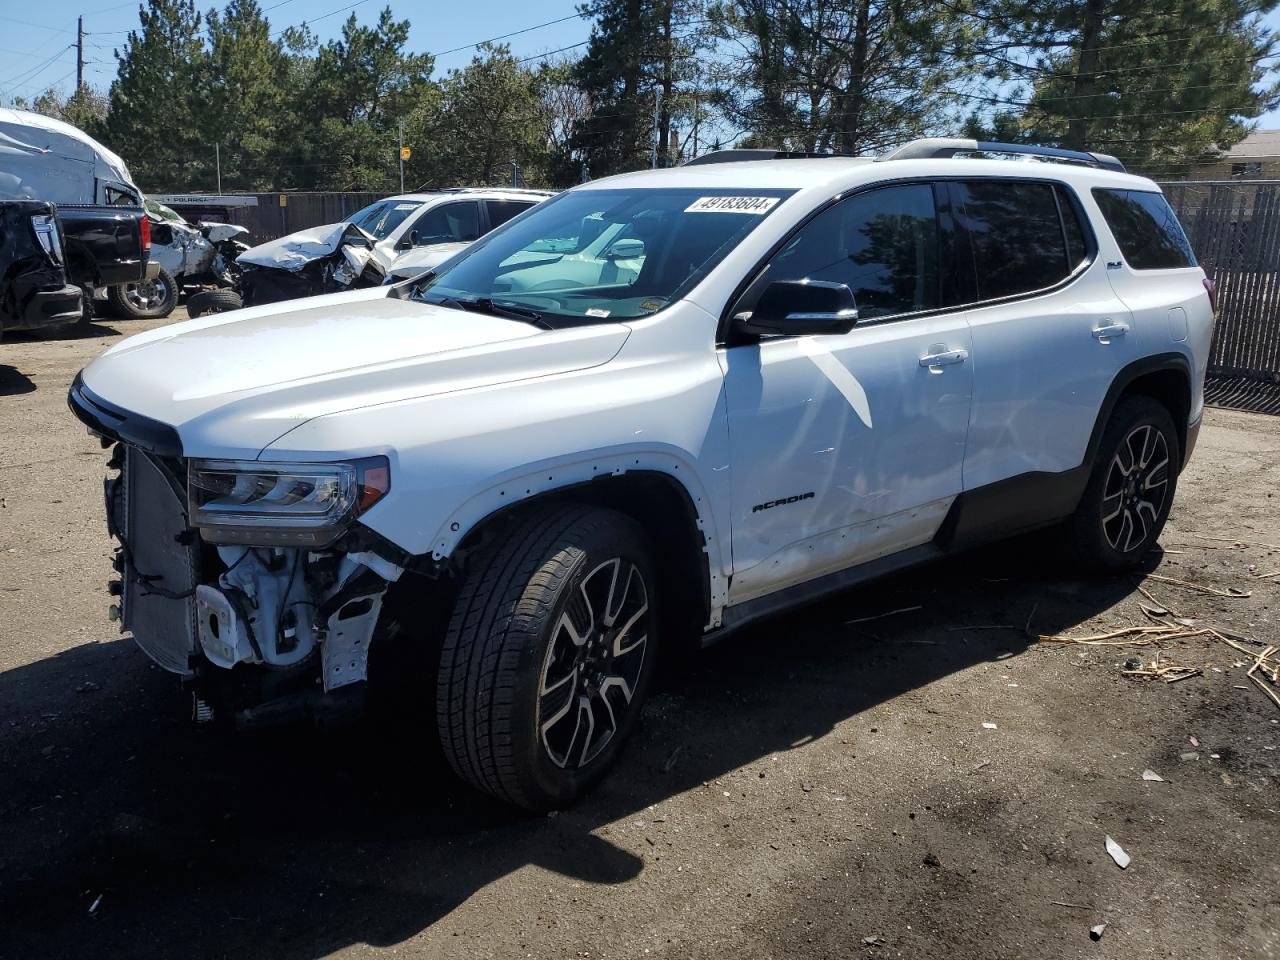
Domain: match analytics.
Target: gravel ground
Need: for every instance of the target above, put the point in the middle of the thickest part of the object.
(929, 784)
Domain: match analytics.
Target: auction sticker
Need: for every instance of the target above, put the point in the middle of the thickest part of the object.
(753, 205)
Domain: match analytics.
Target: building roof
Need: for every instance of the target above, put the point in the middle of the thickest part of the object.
(1260, 143)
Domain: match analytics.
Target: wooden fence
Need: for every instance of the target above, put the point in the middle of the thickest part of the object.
(271, 218)
(1234, 227)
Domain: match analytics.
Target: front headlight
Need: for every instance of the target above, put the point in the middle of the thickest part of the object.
(251, 503)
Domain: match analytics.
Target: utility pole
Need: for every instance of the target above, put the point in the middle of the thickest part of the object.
(79, 53)
(657, 113)
(217, 160)
(400, 153)
(695, 124)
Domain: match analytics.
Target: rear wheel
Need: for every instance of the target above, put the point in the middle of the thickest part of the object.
(146, 299)
(1130, 491)
(548, 656)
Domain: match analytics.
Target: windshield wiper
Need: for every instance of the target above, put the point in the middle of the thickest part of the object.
(511, 311)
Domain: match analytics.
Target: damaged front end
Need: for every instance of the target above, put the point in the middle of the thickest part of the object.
(309, 265)
(251, 580)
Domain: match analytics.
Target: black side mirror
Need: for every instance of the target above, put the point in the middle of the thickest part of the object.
(411, 240)
(800, 308)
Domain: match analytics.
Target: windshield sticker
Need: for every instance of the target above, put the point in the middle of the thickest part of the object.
(405, 206)
(596, 312)
(752, 205)
(652, 306)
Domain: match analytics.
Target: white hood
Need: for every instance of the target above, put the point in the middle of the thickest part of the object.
(46, 159)
(295, 251)
(232, 383)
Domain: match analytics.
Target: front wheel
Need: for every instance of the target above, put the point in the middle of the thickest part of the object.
(1130, 491)
(548, 655)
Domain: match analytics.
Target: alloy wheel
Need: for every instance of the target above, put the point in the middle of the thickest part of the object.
(593, 664)
(1136, 487)
(146, 294)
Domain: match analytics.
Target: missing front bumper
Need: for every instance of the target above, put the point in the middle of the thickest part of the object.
(220, 616)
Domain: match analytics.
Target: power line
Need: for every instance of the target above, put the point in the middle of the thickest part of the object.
(323, 16)
(536, 26)
(39, 68)
(41, 26)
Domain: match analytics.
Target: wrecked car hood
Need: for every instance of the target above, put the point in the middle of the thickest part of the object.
(297, 249)
(232, 383)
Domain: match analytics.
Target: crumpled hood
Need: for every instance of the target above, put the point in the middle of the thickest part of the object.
(297, 249)
(232, 383)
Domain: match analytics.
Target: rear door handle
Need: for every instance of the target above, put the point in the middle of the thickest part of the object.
(1110, 330)
(944, 359)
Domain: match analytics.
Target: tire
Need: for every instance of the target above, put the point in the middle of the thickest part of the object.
(212, 301)
(1131, 487)
(525, 666)
(146, 299)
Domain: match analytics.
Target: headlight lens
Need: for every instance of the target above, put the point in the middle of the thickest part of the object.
(282, 504)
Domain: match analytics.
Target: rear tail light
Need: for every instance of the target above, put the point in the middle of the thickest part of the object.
(46, 229)
(1211, 288)
(146, 237)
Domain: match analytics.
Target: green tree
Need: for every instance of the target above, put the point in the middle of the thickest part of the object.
(821, 75)
(489, 119)
(361, 86)
(244, 97)
(86, 108)
(1159, 83)
(642, 60)
(152, 116)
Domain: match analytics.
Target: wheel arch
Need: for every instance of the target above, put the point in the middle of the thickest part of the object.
(1164, 377)
(676, 518)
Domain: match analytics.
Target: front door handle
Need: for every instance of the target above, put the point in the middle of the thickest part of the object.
(945, 358)
(1110, 331)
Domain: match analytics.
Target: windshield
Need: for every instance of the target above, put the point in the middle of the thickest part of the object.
(159, 211)
(379, 219)
(601, 255)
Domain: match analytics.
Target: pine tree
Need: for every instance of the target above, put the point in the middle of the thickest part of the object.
(489, 119)
(152, 118)
(1158, 83)
(243, 96)
(823, 75)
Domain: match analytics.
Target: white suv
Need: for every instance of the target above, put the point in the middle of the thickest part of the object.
(558, 456)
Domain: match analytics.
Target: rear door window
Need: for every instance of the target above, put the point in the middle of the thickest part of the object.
(1146, 229)
(1025, 236)
(500, 211)
(449, 223)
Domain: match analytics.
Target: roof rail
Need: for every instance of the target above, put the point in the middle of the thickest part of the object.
(937, 147)
(734, 156)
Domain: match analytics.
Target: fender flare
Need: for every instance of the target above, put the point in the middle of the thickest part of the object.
(528, 482)
(1125, 378)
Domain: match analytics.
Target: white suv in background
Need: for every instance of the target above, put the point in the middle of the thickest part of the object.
(527, 473)
(403, 224)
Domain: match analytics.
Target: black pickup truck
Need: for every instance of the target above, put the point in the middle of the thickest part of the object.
(106, 245)
(34, 287)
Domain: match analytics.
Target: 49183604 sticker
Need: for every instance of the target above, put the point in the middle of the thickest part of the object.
(751, 205)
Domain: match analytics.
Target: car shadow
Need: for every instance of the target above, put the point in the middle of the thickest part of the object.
(14, 382)
(124, 827)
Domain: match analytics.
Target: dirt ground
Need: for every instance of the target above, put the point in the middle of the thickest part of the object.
(929, 784)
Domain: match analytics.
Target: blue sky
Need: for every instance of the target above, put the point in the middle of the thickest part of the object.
(34, 40)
